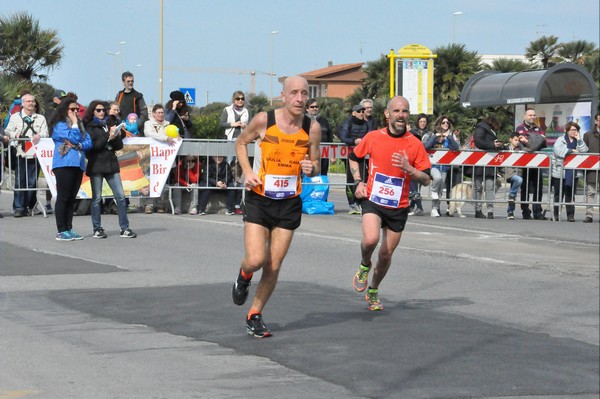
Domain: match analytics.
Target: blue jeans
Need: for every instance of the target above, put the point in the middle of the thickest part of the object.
(26, 174)
(515, 184)
(114, 181)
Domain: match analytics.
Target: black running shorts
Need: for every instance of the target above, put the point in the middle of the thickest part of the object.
(393, 219)
(270, 213)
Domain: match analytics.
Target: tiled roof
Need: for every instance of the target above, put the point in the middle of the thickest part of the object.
(332, 70)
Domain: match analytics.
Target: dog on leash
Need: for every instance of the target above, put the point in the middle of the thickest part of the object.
(458, 195)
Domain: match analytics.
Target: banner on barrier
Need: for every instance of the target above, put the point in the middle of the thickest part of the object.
(582, 161)
(482, 158)
(145, 166)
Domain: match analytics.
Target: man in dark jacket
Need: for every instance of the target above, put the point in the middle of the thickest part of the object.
(132, 101)
(351, 132)
(485, 139)
(592, 140)
(533, 140)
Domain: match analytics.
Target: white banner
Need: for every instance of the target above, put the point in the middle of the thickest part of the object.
(145, 166)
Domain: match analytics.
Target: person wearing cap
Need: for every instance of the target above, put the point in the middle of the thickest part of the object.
(351, 132)
(131, 100)
(57, 97)
(177, 113)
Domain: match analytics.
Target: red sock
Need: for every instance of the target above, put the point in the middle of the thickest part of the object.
(246, 276)
(252, 312)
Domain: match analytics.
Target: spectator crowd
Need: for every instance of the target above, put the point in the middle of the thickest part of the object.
(92, 136)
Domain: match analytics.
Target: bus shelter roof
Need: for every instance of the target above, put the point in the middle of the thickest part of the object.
(562, 83)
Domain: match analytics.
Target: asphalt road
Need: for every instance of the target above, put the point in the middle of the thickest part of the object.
(473, 309)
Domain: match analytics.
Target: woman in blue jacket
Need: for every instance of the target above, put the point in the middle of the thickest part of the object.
(68, 163)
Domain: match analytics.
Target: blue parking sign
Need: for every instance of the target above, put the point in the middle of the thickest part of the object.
(190, 95)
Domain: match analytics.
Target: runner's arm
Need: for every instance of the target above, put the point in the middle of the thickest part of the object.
(254, 130)
(313, 167)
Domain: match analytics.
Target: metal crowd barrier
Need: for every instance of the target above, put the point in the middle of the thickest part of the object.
(203, 149)
(2, 158)
(582, 165)
(459, 164)
(460, 167)
(23, 166)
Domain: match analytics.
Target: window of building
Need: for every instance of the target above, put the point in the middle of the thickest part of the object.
(313, 91)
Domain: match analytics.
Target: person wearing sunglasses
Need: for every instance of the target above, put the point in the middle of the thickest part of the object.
(103, 164)
(312, 111)
(68, 163)
(351, 132)
(454, 175)
(131, 100)
(235, 117)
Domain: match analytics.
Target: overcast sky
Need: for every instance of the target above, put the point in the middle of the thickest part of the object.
(230, 38)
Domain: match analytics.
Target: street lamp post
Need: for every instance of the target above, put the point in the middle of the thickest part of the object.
(121, 52)
(273, 33)
(114, 55)
(160, 55)
(137, 69)
(454, 14)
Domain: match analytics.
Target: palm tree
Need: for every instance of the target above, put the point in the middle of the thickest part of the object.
(507, 65)
(591, 62)
(26, 49)
(542, 49)
(576, 51)
(10, 89)
(377, 82)
(258, 103)
(453, 67)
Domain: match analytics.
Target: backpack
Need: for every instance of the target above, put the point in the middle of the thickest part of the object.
(14, 108)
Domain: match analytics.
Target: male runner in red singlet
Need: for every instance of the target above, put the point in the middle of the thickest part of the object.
(289, 145)
(395, 158)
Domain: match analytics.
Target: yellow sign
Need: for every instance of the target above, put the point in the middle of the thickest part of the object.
(415, 51)
(411, 75)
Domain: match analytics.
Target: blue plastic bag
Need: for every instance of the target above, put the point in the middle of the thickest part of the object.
(317, 208)
(314, 196)
(315, 188)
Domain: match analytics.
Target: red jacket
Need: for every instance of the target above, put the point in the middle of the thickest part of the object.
(186, 176)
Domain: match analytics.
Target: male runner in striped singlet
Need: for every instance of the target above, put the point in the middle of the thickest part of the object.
(289, 145)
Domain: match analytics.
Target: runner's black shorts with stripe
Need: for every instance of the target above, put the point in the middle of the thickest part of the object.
(271, 213)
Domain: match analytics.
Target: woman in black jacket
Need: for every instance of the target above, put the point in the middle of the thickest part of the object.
(103, 164)
(485, 139)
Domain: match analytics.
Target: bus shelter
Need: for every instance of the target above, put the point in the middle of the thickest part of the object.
(560, 94)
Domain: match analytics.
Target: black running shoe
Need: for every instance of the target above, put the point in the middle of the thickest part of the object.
(256, 327)
(239, 292)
